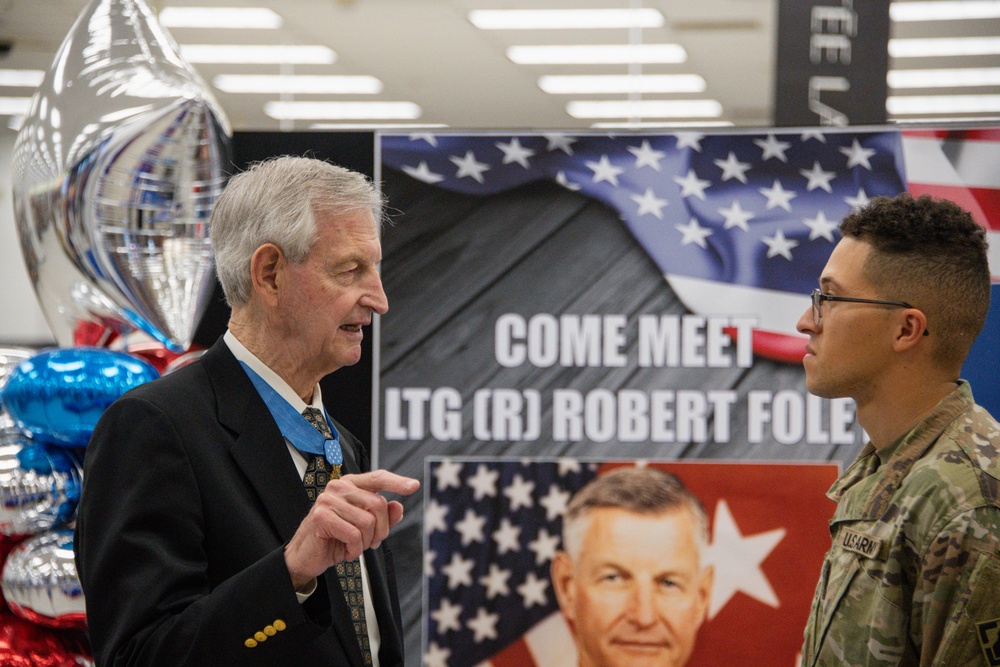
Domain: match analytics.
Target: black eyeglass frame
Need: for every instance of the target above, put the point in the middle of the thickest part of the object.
(818, 298)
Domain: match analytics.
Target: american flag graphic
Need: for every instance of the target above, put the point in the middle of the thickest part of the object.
(740, 223)
(493, 526)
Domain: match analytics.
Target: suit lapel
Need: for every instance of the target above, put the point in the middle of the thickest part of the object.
(259, 448)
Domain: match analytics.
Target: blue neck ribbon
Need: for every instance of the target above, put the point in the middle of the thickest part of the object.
(293, 426)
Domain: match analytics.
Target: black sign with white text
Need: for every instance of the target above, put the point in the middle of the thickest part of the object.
(831, 63)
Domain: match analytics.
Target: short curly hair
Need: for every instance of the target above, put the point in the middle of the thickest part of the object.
(931, 253)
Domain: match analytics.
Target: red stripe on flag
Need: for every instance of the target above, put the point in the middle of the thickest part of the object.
(982, 203)
(777, 346)
(982, 134)
(515, 655)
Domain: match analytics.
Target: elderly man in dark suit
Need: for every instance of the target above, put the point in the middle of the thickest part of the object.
(225, 518)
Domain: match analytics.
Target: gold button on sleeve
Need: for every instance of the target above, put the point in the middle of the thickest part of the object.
(260, 636)
(250, 642)
(270, 631)
(279, 625)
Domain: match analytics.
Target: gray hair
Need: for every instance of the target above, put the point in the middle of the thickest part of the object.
(649, 491)
(276, 201)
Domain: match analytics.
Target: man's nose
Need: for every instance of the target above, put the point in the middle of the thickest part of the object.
(642, 605)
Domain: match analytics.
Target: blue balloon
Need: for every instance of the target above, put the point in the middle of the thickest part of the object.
(57, 396)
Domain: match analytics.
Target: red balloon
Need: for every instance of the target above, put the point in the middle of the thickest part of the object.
(24, 644)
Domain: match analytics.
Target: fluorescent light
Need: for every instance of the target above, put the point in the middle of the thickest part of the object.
(298, 110)
(644, 108)
(622, 83)
(944, 46)
(28, 78)
(377, 126)
(14, 106)
(220, 17)
(629, 125)
(944, 11)
(597, 54)
(556, 19)
(944, 78)
(258, 54)
(935, 104)
(298, 84)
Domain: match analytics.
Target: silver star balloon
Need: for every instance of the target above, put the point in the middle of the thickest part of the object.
(40, 582)
(115, 172)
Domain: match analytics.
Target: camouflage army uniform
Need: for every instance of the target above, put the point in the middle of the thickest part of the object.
(913, 576)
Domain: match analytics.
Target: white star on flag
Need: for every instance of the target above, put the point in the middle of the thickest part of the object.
(818, 178)
(555, 502)
(459, 571)
(446, 616)
(532, 591)
(483, 626)
(733, 168)
(496, 582)
(737, 560)
(692, 185)
(558, 141)
(694, 233)
(773, 148)
(436, 656)
(507, 537)
(424, 136)
(544, 546)
(605, 171)
(649, 203)
(515, 152)
(471, 528)
(861, 199)
(563, 181)
(689, 140)
(484, 483)
(820, 227)
(434, 517)
(429, 557)
(646, 156)
(813, 134)
(736, 217)
(858, 155)
(567, 466)
(519, 493)
(423, 173)
(778, 196)
(469, 166)
(779, 245)
(447, 475)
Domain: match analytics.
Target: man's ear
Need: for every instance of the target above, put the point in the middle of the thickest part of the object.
(912, 328)
(564, 583)
(706, 580)
(266, 265)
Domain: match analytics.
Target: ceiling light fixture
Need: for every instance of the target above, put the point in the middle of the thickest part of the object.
(597, 54)
(944, 78)
(220, 17)
(377, 126)
(944, 46)
(642, 125)
(298, 84)
(299, 110)
(560, 19)
(644, 109)
(623, 83)
(258, 54)
(14, 106)
(28, 78)
(935, 104)
(944, 11)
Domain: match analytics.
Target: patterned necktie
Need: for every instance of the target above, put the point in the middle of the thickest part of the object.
(318, 473)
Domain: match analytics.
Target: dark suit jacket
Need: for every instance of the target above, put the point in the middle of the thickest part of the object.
(189, 496)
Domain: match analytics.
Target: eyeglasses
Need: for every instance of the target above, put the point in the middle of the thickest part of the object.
(818, 298)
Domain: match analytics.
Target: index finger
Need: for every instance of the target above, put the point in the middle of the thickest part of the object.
(377, 481)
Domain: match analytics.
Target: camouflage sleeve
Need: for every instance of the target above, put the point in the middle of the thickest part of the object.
(956, 615)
